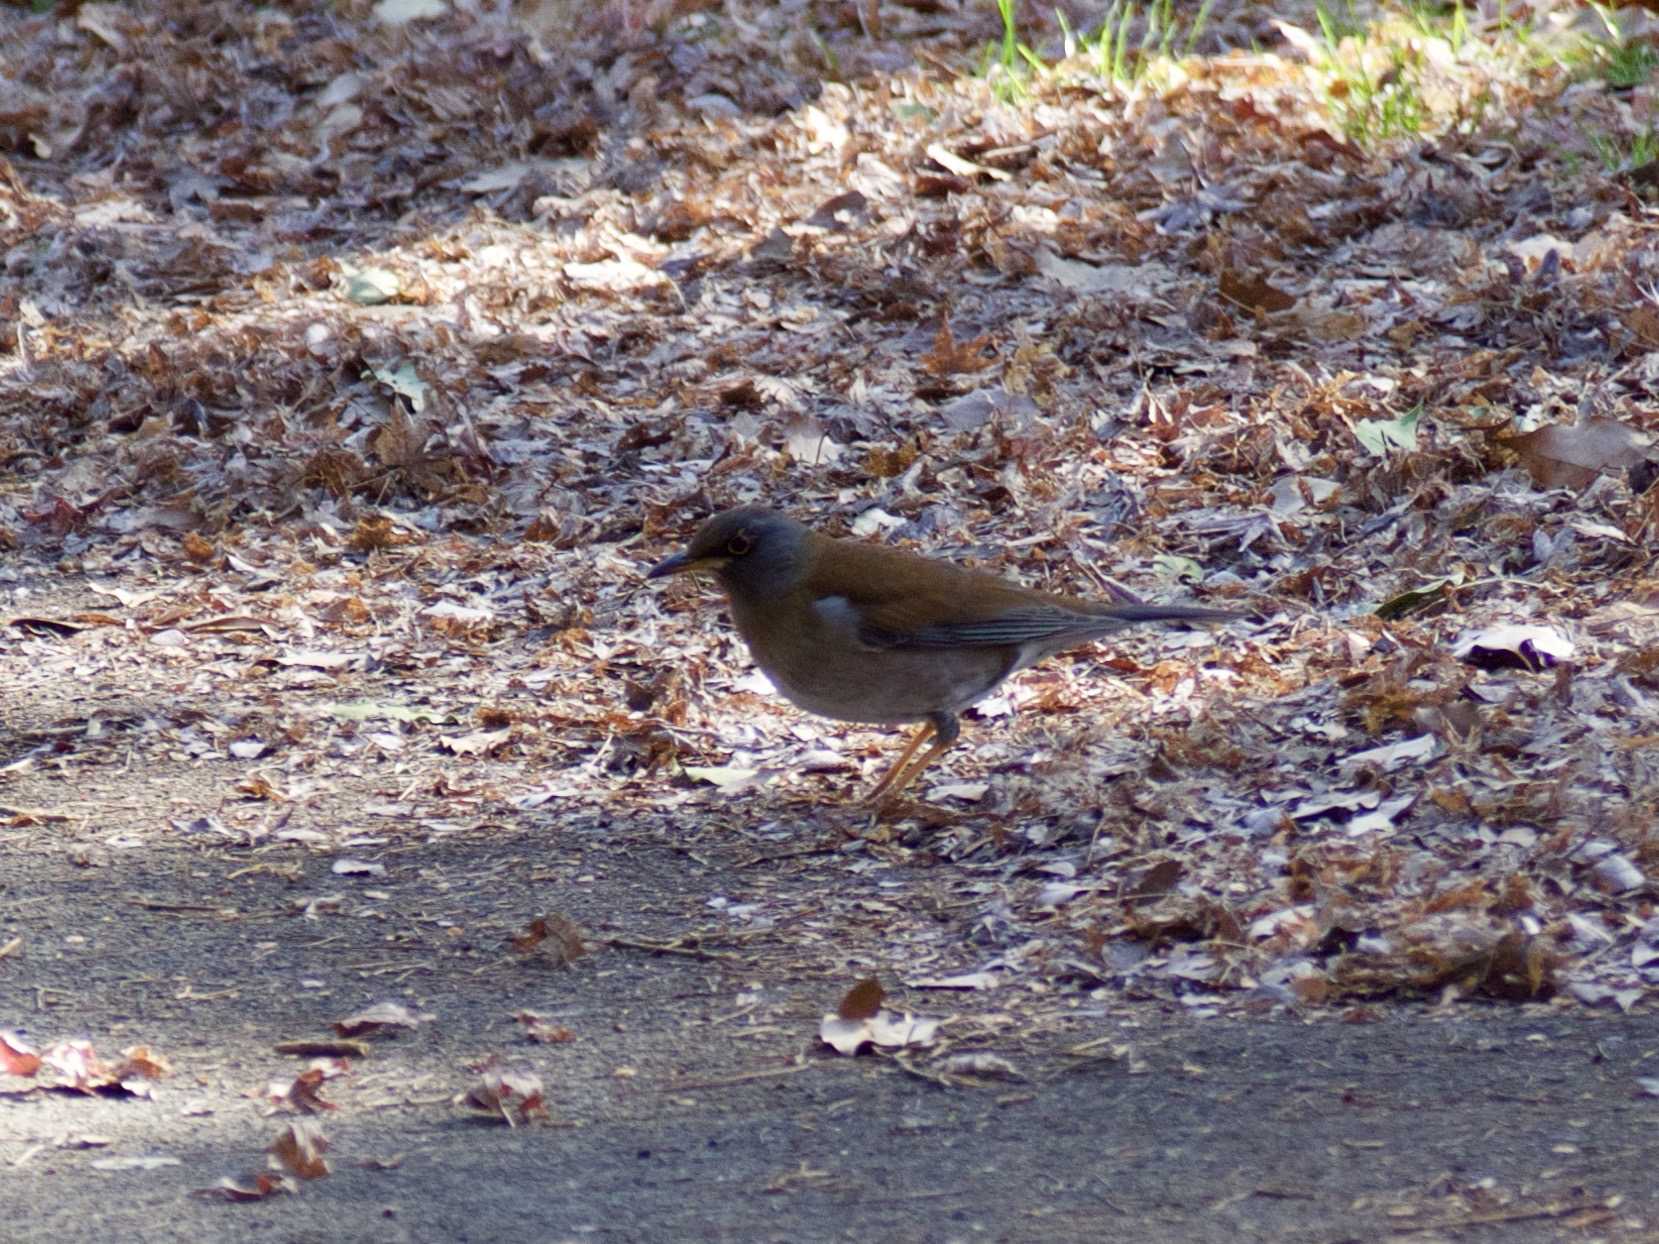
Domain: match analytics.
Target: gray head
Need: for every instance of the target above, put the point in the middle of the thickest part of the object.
(751, 549)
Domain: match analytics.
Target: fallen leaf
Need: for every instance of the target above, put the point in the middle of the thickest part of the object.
(1573, 455)
(380, 1017)
(299, 1148)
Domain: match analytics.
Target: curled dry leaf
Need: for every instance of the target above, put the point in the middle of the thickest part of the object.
(541, 1029)
(299, 1148)
(304, 1093)
(886, 1029)
(557, 936)
(78, 1068)
(259, 787)
(197, 549)
(139, 1062)
(511, 1094)
(478, 743)
(378, 532)
(1512, 646)
(380, 1017)
(253, 1188)
(76, 1065)
(17, 1057)
(860, 1021)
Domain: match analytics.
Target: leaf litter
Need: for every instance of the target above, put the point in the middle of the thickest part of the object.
(334, 477)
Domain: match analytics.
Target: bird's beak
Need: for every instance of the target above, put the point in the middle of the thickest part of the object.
(680, 563)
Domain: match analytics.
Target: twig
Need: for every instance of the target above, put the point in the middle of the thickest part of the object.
(666, 948)
(744, 1078)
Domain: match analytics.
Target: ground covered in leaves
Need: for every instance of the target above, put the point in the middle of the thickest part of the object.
(358, 798)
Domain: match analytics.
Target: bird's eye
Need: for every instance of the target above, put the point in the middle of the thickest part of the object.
(740, 544)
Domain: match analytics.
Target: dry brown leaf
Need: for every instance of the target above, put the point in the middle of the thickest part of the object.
(1253, 293)
(1573, 455)
(381, 1017)
(197, 549)
(544, 1031)
(555, 935)
(17, 1058)
(303, 1093)
(257, 1187)
(862, 1001)
(950, 357)
(511, 1094)
(299, 1148)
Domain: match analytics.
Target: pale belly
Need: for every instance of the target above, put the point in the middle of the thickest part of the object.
(895, 686)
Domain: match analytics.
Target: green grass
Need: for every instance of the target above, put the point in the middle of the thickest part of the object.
(1416, 69)
(1130, 41)
(1420, 68)
(1629, 65)
(1336, 25)
(1448, 22)
(1011, 66)
(1623, 155)
(1613, 56)
(1372, 105)
(1120, 57)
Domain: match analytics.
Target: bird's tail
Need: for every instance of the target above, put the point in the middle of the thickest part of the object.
(1131, 614)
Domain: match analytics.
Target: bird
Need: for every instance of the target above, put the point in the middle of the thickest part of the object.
(868, 633)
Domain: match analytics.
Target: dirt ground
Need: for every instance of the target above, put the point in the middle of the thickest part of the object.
(694, 1107)
(696, 1103)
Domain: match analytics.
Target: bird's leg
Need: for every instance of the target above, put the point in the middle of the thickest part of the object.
(943, 729)
(897, 767)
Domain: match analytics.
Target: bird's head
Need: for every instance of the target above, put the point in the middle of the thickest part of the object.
(750, 549)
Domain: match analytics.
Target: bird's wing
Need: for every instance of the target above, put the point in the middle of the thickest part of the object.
(893, 599)
(1015, 626)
